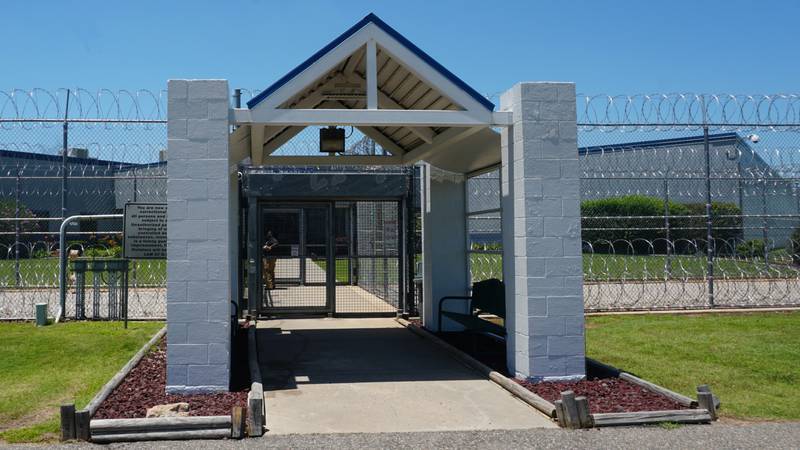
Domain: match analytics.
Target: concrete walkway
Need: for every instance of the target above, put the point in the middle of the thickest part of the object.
(373, 375)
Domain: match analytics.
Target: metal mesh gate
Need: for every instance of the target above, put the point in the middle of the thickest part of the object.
(340, 258)
(374, 261)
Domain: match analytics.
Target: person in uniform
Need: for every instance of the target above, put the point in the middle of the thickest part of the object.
(269, 259)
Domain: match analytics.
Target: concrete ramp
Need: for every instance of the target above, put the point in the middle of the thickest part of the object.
(373, 375)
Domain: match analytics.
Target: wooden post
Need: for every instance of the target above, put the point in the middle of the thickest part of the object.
(584, 417)
(68, 422)
(706, 388)
(237, 423)
(82, 419)
(560, 413)
(255, 411)
(705, 400)
(570, 410)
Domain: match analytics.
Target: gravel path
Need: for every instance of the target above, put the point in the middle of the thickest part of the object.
(717, 436)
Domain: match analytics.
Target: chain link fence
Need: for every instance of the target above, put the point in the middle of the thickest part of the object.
(688, 201)
(65, 153)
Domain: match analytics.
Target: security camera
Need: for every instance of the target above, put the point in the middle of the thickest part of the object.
(754, 138)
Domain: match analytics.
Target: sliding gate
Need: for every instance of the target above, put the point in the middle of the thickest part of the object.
(342, 257)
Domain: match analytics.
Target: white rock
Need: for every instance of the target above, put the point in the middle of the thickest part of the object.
(169, 410)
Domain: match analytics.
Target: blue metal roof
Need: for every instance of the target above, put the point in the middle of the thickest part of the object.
(115, 165)
(657, 143)
(372, 18)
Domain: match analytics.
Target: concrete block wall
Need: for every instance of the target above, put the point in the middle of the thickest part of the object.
(540, 185)
(198, 261)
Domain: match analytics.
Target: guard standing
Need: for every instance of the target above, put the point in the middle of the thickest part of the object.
(269, 260)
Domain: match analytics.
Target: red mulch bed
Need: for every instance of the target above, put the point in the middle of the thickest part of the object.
(605, 395)
(144, 388)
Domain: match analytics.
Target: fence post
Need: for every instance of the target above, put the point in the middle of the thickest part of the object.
(764, 222)
(64, 162)
(709, 223)
(667, 262)
(17, 277)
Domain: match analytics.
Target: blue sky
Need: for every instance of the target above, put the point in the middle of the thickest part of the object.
(713, 46)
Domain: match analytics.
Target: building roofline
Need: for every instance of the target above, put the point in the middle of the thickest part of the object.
(118, 165)
(372, 18)
(658, 143)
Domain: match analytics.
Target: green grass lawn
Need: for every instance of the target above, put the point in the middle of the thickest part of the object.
(40, 368)
(603, 267)
(751, 361)
(342, 268)
(371, 265)
(43, 272)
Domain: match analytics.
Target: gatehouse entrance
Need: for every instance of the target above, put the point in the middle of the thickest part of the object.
(341, 256)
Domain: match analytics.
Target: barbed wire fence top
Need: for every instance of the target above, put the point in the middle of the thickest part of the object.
(115, 143)
(645, 183)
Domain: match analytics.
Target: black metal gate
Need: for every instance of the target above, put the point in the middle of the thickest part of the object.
(340, 250)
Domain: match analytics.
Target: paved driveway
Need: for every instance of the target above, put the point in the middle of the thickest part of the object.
(373, 375)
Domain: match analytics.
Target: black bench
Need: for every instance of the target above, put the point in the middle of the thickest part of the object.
(488, 296)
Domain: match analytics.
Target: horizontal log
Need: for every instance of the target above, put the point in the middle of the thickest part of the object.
(651, 417)
(163, 435)
(523, 394)
(108, 426)
(681, 399)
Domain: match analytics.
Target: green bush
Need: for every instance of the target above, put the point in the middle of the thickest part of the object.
(102, 252)
(40, 253)
(636, 223)
(754, 248)
(795, 246)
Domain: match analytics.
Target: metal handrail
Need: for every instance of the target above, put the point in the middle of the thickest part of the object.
(62, 256)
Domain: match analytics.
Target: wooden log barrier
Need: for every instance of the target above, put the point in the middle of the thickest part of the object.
(162, 435)
(68, 422)
(237, 423)
(82, 419)
(705, 400)
(255, 411)
(651, 417)
(584, 416)
(571, 418)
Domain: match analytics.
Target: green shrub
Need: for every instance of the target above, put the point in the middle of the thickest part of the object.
(754, 248)
(795, 246)
(40, 253)
(102, 252)
(636, 223)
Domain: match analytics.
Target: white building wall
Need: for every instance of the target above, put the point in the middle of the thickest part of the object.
(444, 245)
(198, 261)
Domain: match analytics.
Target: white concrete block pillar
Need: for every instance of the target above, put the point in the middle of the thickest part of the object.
(198, 258)
(444, 244)
(541, 232)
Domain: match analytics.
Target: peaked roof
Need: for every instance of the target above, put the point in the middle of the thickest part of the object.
(375, 20)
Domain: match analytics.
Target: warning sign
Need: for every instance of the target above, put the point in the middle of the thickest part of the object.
(145, 232)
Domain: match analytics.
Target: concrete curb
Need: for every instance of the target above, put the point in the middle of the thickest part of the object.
(492, 375)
